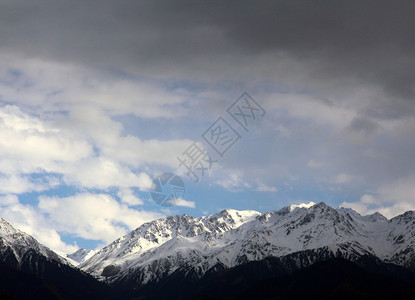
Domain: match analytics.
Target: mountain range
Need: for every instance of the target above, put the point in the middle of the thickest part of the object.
(233, 254)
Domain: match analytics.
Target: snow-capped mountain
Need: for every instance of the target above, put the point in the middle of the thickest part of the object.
(402, 238)
(15, 246)
(160, 257)
(30, 270)
(80, 256)
(230, 238)
(182, 236)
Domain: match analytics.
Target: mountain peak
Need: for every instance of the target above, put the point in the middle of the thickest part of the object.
(6, 229)
(301, 205)
(81, 255)
(20, 243)
(405, 217)
(375, 217)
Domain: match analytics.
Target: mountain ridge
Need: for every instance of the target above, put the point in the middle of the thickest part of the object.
(230, 238)
(162, 256)
(30, 270)
(19, 243)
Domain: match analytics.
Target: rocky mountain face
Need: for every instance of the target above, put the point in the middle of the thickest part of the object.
(29, 270)
(17, 247)
(197, 246)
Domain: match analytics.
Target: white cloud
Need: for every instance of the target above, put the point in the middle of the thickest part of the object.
(399, 190)
(284, 131)
(127, 196)
(361, 208)
(68, 117)
(30, 220)
(137, 152)
(306, 106)
(183, 203)
(60, 130)
(394, 210)
(388, 211)
(93, 216)
(232, 181)
(65, 146)
(15, 184)
(101, 173)
(315, 164)
(30, 145)
(56, 85)
(106, 134)
(368, 199)
(262, 187)
(343, 178)
(18, 184)
(97, 217)
(9, 200)
(22, 136)
(391, 199)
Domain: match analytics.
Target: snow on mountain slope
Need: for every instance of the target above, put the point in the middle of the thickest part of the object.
(80, 256)
(231, 237)
(180, 231)
(402, 238)
(17, 244)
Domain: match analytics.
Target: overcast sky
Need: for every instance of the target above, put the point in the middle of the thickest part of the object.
(99, 97)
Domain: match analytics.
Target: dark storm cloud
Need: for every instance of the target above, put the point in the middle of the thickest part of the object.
(367, 42)
(364, 125)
